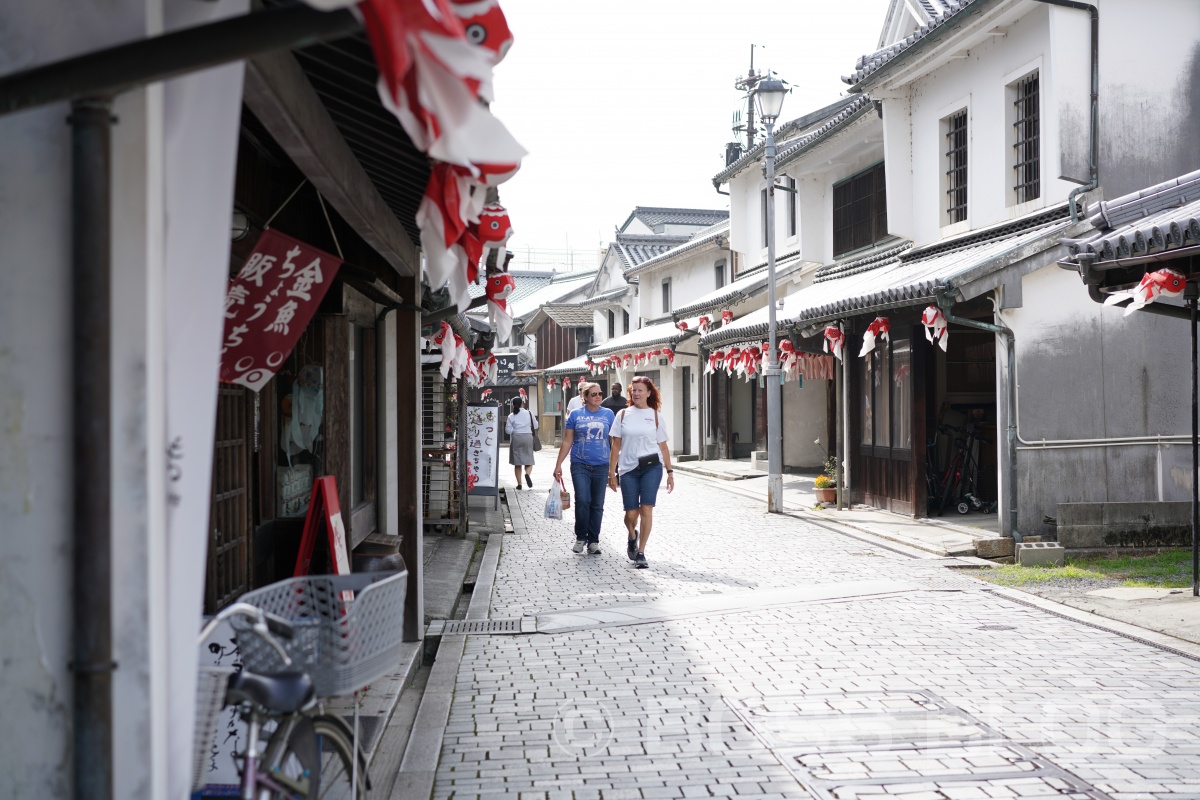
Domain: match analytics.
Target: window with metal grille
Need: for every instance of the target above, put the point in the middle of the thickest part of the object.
(859, 210)
(1027, 184)
(625, 315)
(790, 182)
(763, 215)
(612, 324)
(956, 167)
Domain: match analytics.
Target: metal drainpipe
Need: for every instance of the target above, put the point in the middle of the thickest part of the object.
(701, 403)
(945, 303)
(1093, 158)
(92, 664)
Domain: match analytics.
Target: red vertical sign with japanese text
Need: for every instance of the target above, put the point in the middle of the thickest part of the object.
(269, 304)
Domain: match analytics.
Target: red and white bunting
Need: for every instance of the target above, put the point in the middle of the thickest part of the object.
(880, 328)
(936, 330)
(835, 340)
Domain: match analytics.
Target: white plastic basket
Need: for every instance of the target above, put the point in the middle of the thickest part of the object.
(210, 700)
(342, 644)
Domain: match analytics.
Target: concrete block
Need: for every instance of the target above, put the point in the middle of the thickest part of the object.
(993, 547)
(1041, 554)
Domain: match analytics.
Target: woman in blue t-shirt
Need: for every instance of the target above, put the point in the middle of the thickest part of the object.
(585, 436)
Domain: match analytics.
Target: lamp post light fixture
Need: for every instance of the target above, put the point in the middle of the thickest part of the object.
(769, 95)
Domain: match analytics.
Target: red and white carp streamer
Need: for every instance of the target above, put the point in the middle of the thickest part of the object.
(493, 367)
(702, 325)
(499, 287)
(936, 330)
(835, 340)
(550, 383)
(682, 325)
(732, 356)
(726, 317)
(444, 339)
(880, 328)
(1162, 283)
(462, 356)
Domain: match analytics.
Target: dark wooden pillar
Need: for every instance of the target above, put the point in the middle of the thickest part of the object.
(408, 451)
(335, 428)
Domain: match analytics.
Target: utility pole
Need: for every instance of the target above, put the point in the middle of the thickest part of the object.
(748, 84)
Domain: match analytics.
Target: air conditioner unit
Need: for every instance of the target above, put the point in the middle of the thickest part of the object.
(662, 362)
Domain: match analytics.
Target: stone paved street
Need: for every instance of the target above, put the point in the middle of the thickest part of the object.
(940, 690)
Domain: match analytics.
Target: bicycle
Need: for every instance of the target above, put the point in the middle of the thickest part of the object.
(962, 475)
(290, 765)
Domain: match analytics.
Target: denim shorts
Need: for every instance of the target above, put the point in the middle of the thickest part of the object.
(639, 487)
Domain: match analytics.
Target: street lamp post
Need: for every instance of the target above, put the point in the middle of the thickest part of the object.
(770, 93)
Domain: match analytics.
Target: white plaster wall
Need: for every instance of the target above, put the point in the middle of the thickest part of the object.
(978, 82)
(805, 418)
(744, 233)
(35, 412)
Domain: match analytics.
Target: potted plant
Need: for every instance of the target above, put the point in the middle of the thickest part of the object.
(825, 486)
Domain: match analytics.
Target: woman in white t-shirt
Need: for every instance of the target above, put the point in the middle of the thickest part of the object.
(639, 457)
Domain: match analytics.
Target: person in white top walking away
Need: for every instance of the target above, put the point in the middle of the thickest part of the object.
(519, 427)
(639, 457)
(576, 402)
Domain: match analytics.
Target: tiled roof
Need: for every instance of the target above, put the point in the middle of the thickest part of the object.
(648, 336)
(871, 63)
(843, 114)
(609, 298)
(1151, 221)
(635, 249)
(528, 282)
(572, 367)
(906, 277)
(711, 235)
(562, 286)
(653, 215)
(569, 315)
(743, 288)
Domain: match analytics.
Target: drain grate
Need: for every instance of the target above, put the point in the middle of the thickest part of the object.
(875, 745)
(455, 627)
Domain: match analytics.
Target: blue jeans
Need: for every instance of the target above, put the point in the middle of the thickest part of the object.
(639, 487)
(590, 481)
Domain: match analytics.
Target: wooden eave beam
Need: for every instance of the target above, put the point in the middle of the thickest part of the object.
(279, 94)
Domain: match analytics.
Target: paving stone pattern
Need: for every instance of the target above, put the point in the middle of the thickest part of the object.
(963, 694)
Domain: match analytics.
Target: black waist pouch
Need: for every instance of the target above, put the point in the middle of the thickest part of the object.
(649, 461)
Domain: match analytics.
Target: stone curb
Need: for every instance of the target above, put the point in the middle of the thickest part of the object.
(418, 767)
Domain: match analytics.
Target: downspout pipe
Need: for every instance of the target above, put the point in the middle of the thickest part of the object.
(1094, 137)
(945, 303)
(92, 664)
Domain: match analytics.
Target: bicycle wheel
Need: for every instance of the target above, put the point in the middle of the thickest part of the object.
(329, 772)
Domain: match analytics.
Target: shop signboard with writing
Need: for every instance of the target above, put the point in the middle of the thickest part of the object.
(269, 304)
(483, 450)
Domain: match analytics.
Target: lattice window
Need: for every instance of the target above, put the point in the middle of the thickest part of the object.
(859, 210)
(230, 516)
(1027, 184)
(956, 167)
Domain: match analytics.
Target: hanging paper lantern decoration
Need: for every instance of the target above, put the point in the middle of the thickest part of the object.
(880, 328)
(936, 330)
(702, 325)
(726, 317)
(1163, 283)
(444, 339)
(499, 288)
(835, 340)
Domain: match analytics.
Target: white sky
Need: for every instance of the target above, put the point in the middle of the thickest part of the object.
(633, 105)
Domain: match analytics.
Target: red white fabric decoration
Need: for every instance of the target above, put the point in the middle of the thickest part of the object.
(499, 287)
(835, 340)
(525, 396)
(714, 358)
(485, 394)
(670, 355)
(566, 383)
(726, 317)
(486, 28)
(751, 358)
(1163, 283)
(787, 358)
(626, 360)
(495, 229)
(550, 383)
(462, 356)
(682, 325)
(732, 356)
(702, 325)
(639, 360)
(880, 328)
(444, 339)
(935, 326)
(492, 368)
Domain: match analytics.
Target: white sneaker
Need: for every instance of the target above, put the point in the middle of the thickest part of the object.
(578, 546)
(594, 548)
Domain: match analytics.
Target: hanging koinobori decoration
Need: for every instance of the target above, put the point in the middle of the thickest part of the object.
(749, 360)
(435, 60)
(880, 328)
(1161, 283)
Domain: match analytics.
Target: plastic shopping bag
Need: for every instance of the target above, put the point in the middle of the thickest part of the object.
(554, 507)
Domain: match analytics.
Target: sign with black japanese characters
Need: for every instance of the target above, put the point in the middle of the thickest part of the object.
(483, 449)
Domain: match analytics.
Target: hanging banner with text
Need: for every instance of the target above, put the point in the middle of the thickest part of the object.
(269, 304)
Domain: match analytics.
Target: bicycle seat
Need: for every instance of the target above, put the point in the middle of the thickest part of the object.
(281, 692)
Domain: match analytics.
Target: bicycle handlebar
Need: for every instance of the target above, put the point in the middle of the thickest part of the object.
(266, 626)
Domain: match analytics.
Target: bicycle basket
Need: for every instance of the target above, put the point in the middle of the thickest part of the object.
(342, 644)
(210, 700)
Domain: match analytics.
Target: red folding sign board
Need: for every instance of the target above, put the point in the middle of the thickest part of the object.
(269, 304)
(324, 506)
